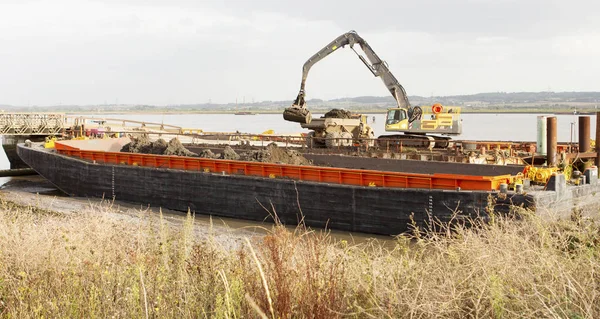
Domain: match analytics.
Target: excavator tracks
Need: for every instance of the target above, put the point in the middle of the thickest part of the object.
(413, 140)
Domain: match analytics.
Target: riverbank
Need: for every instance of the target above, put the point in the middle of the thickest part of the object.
(101, 260)
(36, 191)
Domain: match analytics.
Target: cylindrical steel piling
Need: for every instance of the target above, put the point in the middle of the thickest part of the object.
(541, 135)
(552, 141)
(584, 134)
(598, 139)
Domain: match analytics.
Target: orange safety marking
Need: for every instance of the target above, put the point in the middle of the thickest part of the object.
(437, 108)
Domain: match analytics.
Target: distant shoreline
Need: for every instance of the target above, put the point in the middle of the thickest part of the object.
(319, 111)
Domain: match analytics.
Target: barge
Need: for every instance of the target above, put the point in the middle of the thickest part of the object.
(347, 199)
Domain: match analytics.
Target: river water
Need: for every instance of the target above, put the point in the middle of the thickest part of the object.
(492, 127)
(483, 127)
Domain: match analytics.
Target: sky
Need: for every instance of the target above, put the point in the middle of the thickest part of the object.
(165, 52)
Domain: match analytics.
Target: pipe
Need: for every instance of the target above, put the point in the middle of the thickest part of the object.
(584, 134)
(17, 172)
(552, 142)
(598, 139)
(541, 135)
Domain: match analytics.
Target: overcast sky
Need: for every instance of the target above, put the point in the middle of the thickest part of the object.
(164, 52)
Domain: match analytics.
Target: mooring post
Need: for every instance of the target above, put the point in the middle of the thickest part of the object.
(542, 136)
(584, 134)
(552, 142)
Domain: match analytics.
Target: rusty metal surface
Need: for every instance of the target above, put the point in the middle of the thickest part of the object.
(552, 141)
(598, 138)
(584, 134)
(412, 166)
(581, 155)
(426, 164)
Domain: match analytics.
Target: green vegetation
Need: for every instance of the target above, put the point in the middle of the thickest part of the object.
(495, 102)
(100, 264)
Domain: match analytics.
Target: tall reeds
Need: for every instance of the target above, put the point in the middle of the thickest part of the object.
(91, 264)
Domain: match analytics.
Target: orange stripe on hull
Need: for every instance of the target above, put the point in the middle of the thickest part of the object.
(305, 173)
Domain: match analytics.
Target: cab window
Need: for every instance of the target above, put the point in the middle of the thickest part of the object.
(395, 116)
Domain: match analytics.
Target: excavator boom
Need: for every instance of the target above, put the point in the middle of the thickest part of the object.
(298, 111)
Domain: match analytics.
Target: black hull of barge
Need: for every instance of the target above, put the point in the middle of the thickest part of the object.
(373, 210)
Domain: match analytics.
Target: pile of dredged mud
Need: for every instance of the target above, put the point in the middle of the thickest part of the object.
(338, 114)
(271, 154)
(144, 145)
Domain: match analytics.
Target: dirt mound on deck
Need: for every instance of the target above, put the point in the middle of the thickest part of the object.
(274, 154)
(338, 114)
(270, 154)
(174, 147)
(144, 145)
(207, 153)
(159, 146)
(140, 144)
(230, 154)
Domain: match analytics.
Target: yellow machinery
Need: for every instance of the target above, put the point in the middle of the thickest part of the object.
(49, 142)
(439, 120)
(412, 121)
(539, 175)
(337, 131)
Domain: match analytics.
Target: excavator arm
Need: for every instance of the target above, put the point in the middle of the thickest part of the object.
(298, 111)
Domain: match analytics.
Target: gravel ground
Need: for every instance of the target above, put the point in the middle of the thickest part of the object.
(36, 190)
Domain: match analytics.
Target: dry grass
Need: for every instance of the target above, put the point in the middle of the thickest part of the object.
(91, 265)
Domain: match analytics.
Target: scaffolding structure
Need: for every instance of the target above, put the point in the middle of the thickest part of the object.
(32, 123)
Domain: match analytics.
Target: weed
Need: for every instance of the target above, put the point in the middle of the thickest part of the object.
(91, 264)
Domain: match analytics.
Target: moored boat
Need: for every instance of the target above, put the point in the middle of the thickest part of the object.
(339, 198)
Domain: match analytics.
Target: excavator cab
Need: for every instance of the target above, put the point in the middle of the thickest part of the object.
(396, 120)
(440, 120)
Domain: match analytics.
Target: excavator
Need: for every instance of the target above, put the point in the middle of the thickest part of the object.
(415, 123)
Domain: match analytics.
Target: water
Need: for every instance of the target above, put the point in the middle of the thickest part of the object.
(4, 164)
(483, 127)
(488, 127)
